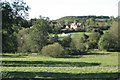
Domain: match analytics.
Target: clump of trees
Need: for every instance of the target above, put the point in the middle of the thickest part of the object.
(93, 40)
(77, 45)
(110, 40)
(65, 42)
(21, 35)
(34, 38)
(23, 40)
(39, 35)
(106, 42)
(12, 13)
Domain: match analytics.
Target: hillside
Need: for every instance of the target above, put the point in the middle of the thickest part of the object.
(82, 17)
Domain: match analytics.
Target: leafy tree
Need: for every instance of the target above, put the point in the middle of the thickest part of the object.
(77, 45)
(39, 34)
(106, 42)
(57, 29)
(114, 32)
(24, 23)
(62, 22)
(53, 39)
(85, 37)
(92, 45)
(93, 40)
(66, 41)
(97, 30)
(92, 21)
(94, 36)
(23, 39)
(12, 12)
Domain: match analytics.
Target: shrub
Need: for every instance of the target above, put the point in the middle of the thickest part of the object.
(54, 50)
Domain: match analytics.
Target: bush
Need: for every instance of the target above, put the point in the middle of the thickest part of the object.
(54, 50)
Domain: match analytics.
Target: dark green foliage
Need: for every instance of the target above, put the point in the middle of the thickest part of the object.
(25, 23)
(111, 40)
(94, 36)
(83, 17)
(39, 35)
(11, 15)
(97, 30)
(54, 50)
(105, 27)
(88, 22)
(85, 37)
(106, 42)
(23, 39)
(57, 29)
(115, 33)
(77, 45)
(82, 47)
(93, 40)
(66, 41)
(53, 39)
(92, 45)
(34, 38)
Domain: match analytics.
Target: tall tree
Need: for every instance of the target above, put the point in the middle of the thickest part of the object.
(39, 34)
(114, 31)
(12, 12)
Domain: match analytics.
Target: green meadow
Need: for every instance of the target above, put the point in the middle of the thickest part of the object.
(93, 64)
(76, 33)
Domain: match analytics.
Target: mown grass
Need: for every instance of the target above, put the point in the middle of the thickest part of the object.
(102, 19)
(93, 64)
(76, 33)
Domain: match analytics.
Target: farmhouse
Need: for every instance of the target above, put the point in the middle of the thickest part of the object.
(75, 25)
(68, 26)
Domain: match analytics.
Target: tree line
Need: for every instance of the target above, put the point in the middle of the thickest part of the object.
(21, 35)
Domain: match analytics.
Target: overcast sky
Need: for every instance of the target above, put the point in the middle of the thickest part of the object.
(55, 9)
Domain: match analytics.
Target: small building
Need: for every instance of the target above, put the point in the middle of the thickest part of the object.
(75, 25)
(68, 26)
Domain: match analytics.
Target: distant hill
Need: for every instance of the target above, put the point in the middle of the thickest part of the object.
(83, 17)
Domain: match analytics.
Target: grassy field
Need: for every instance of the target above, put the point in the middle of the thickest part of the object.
(80, 33)
(102, 19)
(93, 64)
(76, 33)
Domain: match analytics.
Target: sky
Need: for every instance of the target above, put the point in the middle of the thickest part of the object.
(55, 9)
